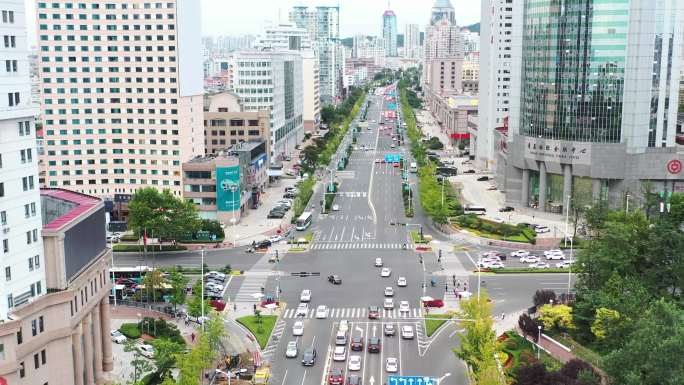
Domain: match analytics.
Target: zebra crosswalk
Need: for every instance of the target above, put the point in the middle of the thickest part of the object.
(356, 245)
(356, 312)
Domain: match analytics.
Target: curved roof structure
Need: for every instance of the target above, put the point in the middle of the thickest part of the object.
(442, 4)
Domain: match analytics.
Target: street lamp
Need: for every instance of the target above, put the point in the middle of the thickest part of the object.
(202, 280)
(538, 342)
(567, 216)
(439, 380)
(233, 190)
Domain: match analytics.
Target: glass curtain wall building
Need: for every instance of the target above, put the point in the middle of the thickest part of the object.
(595, 112)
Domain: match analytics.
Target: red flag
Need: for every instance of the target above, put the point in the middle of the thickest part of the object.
(145, 237)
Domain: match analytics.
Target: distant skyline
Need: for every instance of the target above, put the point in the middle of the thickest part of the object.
(221, 17)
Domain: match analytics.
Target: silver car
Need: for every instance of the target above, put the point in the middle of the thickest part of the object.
(292, 349)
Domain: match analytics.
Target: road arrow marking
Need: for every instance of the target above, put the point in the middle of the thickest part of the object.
(372, 380)
(360, 330)
(374, 328)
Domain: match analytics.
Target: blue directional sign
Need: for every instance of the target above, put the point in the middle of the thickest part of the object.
(392, 158)
(411, 380)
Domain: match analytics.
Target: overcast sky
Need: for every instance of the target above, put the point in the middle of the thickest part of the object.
(240, 17)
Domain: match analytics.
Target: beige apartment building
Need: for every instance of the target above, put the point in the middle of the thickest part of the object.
(226, 123)
(62, 337)
(121, 93)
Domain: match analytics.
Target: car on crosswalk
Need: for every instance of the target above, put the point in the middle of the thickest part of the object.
(404, 307)
(298, 328)
(302, 310)
(373, 312)
(388, 304)
(321, 312)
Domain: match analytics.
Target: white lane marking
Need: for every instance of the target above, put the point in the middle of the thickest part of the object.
(370, 185)
(304, 376)
(332, 230)
(342, 235)
(401, 366)
(284, 377)
(365, 353)
(352, 234)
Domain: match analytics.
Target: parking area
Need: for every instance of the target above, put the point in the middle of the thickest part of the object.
(500, 259)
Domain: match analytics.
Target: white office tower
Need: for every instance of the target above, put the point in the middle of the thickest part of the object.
(497, 45)
(412, 48)
(121, 93)
(443, 51)
(272, 79)
(21, 246)
(323, 25)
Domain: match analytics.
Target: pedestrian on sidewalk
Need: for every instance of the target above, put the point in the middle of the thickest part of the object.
(192, 337)
(503, 315)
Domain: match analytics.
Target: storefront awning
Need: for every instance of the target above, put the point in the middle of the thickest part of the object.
(464, 135)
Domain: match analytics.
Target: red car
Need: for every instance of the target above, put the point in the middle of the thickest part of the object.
(217, 304)
(357, 344)
(434, 303)
(335, 377)
(373, 312)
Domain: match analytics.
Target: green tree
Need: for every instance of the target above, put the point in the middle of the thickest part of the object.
(153, 281)
(195, 302)
(161, 214)
(605, 321)
(165, 353)
(557, 317)
(213, 227)
(214, 330)
(140, 364)
(478, 341)
(654, 353)
(676, 216)
(178, 283)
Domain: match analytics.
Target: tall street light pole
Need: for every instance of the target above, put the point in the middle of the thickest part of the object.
(567, 217)
(202, 279)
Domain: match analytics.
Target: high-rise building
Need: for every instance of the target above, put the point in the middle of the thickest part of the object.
(471, 41)
(500, 18)
(272, 80)
(389, 32)
(443, 51)
(287, 36)
(593, 116)
(323, 25)
(21, 244)
(412, 41)
(121, 93)
(369, 47)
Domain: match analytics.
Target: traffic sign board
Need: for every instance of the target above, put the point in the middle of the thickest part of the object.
(411, 380)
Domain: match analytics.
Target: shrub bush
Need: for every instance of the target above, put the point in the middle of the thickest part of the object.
(511, 344)
(527, 357)
(130, 330)
(159, 328)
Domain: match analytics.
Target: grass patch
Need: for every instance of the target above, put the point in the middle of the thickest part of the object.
(130, 330)
(308, 237)
(517, 270)
(511, 238)
(415, 237)
(579, 350)
(262, 332)
(431, 325)
(139, 248)
(524, 352)
(296, 249)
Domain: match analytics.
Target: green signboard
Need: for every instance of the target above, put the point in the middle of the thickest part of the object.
(228, 188)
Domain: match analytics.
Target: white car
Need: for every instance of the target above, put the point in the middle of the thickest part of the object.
(391, 365)
(407, 332)
(403, 307)
(146, 350)
(276, 238)
(541, 229)
(344, 326)
(302, 310)
(496, 265)
(214, 286)
(401, 282)
(564, 264)
(117, 337)
(385, 272)
(354, 363)
(335, 207)
(389, 292)
(520, 253)
(378, 262)
(298, 328)
(340, 353)
(539, 265)
(305, 296)
(389, 303)
(292, 350)
(553, 251)
(529, 259)
(556, 256)
(322, 312)
(483, 264)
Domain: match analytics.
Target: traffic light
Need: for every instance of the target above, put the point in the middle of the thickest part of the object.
(439, 258)
(421, 259)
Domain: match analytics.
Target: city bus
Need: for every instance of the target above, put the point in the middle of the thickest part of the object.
(304, 221)
(413, 167)
(477, 210)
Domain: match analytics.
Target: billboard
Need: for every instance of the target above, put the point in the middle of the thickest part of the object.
(228, 188)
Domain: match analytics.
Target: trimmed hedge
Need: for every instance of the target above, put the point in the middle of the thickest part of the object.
(139, 248)
(516, 270)
(130, 330)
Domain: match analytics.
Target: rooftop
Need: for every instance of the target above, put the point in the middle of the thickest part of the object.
(60, 207)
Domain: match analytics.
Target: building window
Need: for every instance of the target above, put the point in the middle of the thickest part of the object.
(8, 273)
(41, 324)
(3, 218)
(5, 245)
(36, 362)
(20, 337)
(2, 352)
(13, 99)
(43, 357)
(36, 261)
(30, 264)
(34, 327)
(2, 189)
(22, 370)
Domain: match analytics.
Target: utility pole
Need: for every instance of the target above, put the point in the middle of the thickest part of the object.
(202, 279)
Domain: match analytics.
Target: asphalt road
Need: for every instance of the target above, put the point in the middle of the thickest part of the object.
(346, 243)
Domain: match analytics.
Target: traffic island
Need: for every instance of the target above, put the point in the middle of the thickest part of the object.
(260, 326)
(435, 321)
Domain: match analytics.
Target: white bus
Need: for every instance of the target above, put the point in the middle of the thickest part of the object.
(477, 210)
(413, 167)
(304, 221)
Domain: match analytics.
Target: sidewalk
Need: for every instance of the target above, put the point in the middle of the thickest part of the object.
(431, 128)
